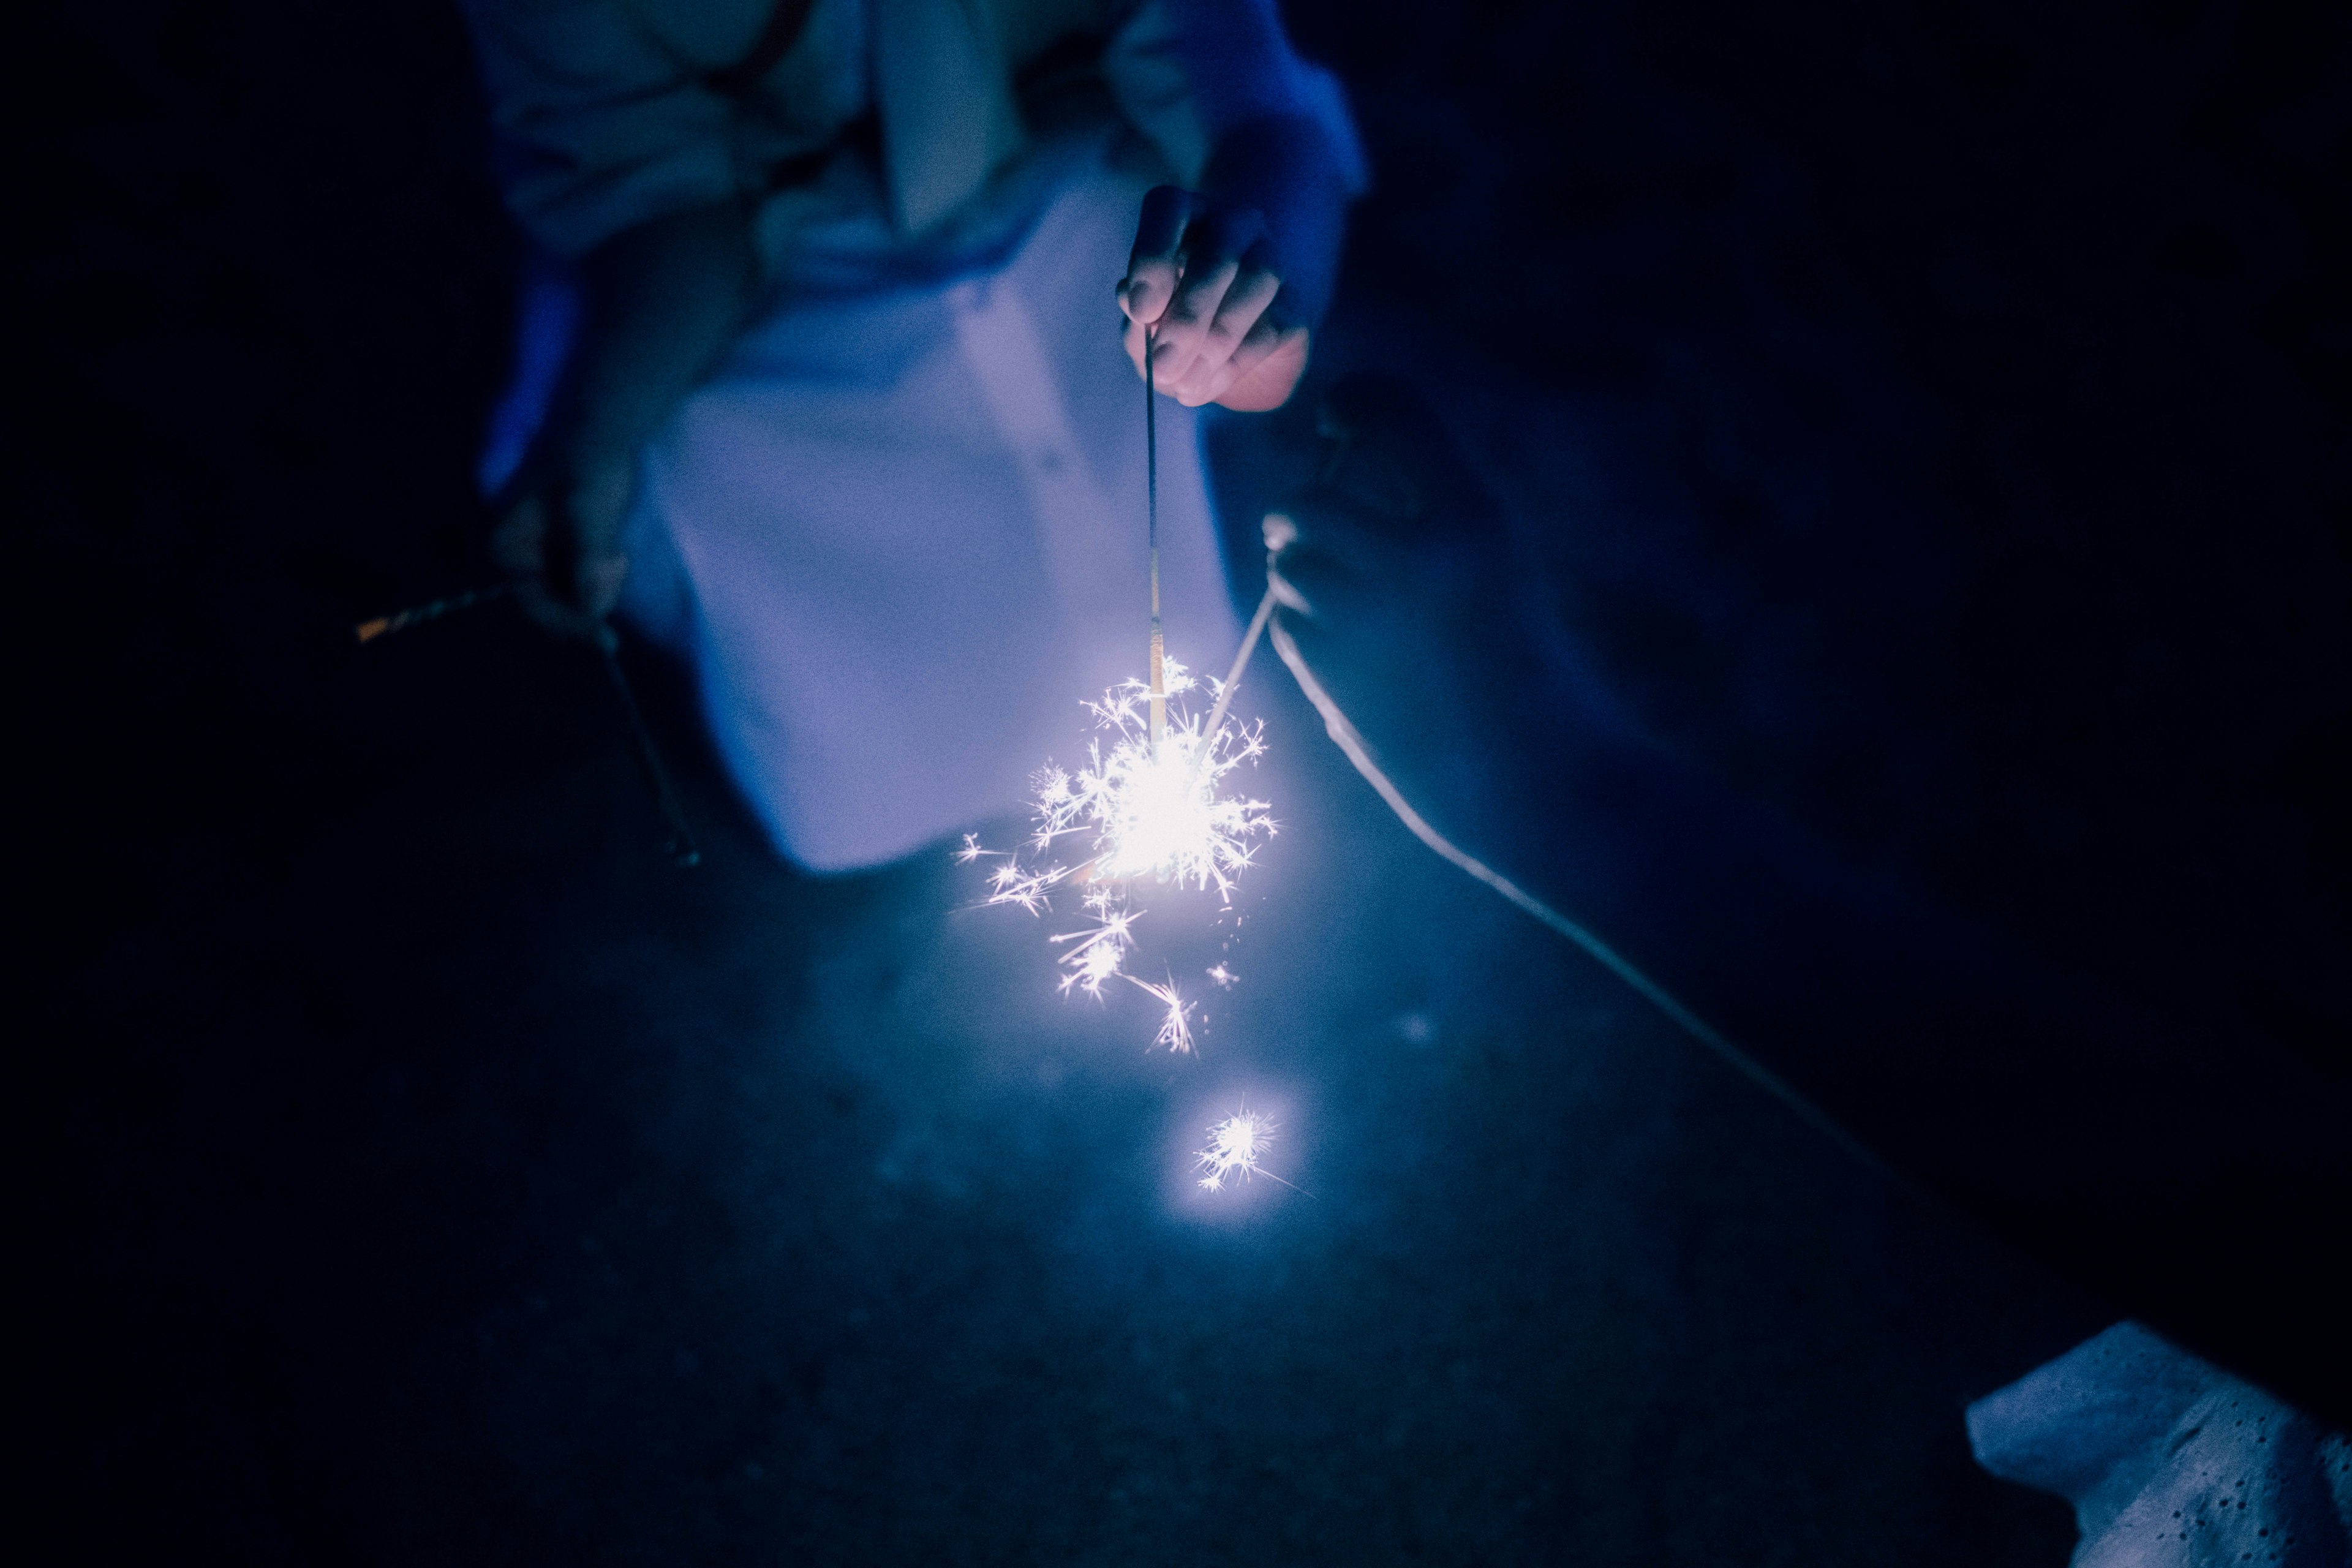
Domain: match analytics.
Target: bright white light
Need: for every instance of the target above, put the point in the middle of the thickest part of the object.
(1145, 814)
(1157, 814)
(1235, 1144)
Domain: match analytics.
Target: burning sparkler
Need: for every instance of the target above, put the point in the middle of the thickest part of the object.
(1149, 804)
(1144, 813)
(1155, 811)
(1099, 952)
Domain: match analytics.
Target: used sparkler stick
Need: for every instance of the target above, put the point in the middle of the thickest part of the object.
(679, 843)
(1344, 735)
(1240, 660)
(368, 631)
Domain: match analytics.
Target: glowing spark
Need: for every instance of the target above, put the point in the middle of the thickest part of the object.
(1099, 952)
(1223, 977)
(1235, 1144)
(1175, 1026)
(1009, 884)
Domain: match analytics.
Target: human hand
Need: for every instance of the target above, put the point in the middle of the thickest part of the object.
(558, 537)
(1199, 291)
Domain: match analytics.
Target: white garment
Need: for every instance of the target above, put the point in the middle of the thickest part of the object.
(2170, 1462)
(901, 534)
(606, 115)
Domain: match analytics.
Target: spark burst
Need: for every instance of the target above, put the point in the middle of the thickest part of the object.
(1099, 952)
(1146, 813)
(1157, 814)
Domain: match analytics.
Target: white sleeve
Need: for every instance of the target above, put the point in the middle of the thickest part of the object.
(598, 128)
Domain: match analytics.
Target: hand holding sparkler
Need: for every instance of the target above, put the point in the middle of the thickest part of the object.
(664, 300)
(557, 537)
(1151, 801)
(1199, 295)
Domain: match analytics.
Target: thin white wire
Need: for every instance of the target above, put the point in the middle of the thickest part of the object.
(1344, 735)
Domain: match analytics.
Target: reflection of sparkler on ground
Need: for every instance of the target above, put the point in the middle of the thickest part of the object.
(1235, 1144)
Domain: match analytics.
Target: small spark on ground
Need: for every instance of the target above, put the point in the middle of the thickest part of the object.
(1234, 1145)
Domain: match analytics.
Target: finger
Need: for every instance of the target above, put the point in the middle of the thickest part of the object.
(1212, 262)
(1253, 351)
(1323, 585)
(583, 563)
(1239, 323)
(1269, 382)
(1184, 328)
(1155, 262)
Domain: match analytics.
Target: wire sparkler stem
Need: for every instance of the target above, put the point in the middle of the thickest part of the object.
(678, 840)
(1151, 504)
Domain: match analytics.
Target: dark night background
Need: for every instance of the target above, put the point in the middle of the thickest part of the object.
(1931, 419)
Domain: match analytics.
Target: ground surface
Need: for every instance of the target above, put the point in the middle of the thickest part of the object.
(433, 1174)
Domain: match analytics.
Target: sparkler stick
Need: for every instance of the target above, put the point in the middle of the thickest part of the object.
(1151, 503)
(1241, 662)
(679, 843)
(1146, 796)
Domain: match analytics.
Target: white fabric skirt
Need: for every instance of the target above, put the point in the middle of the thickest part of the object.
(900, 534)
